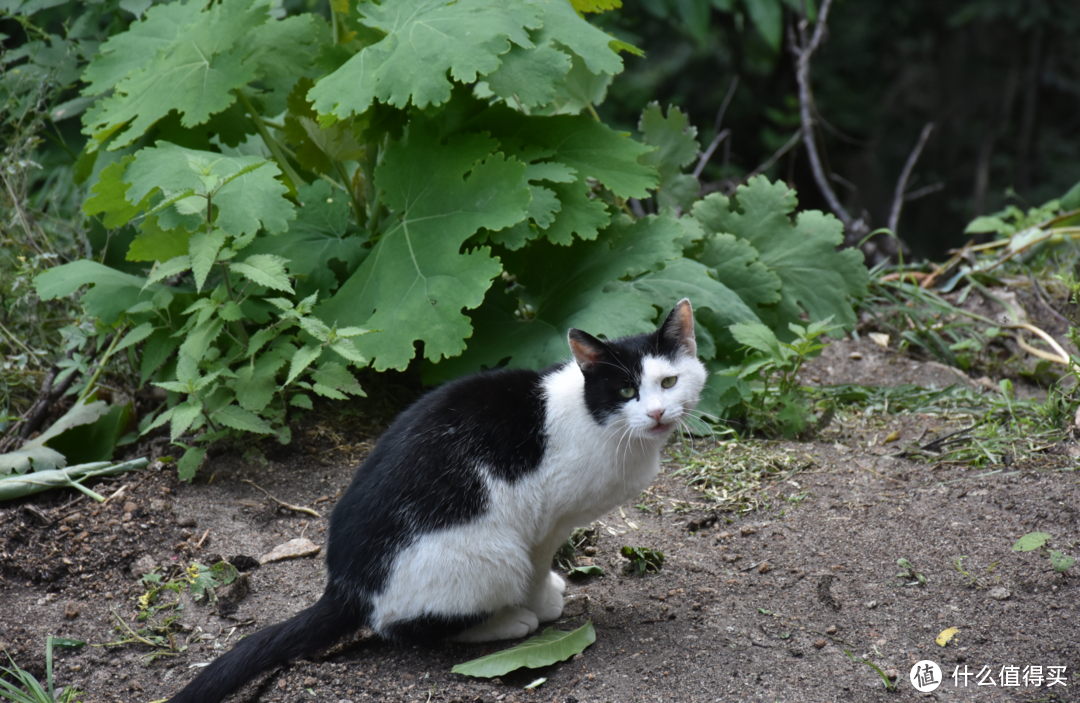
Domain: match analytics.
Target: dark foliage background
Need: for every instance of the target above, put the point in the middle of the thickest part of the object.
(999, 79)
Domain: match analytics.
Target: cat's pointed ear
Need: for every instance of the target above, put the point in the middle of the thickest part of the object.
(587, 349)
(678, 328)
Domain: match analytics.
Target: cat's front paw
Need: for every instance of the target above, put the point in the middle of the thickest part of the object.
(548, 603)
(509, 623)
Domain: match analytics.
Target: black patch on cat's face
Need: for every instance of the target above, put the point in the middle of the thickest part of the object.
(611, 366)
(426, 473)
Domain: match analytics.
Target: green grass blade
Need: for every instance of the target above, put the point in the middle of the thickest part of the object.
(550, 647)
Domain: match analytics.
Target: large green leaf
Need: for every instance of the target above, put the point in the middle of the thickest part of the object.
(416, 281)
(318, 236)
(715, 305)
(183, 57)
(815, 278)
(245, 191)
(567, 287)
(533, 76)
(112, 291)
(425, 40)
(676, 146)
(543, 650)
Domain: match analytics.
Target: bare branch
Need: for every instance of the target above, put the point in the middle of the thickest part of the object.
(803, 49)
(776, 155)
(709, 152)
(901, 183)
(724, 105)
(924, 191)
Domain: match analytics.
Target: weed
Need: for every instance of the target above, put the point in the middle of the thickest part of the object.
(642, 560)
(909, 577)
(29, 689)
(1037, 540)
(159, 617)
(890, 685)
(771, 397)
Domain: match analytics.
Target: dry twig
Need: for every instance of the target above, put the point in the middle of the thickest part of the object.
(294, 508)
(901, 183)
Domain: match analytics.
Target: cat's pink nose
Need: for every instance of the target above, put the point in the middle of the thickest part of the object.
(656, 414)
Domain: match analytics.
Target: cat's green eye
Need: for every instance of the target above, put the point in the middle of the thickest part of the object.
(628, 392)
(669, 381)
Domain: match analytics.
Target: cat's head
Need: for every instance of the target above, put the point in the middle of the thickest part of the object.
(646, 383)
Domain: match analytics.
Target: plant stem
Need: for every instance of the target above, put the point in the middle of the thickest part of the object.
(286, 169)
(232, 296)
(101, 364)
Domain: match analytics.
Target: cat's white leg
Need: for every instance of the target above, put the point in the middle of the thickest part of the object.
(546, 600)
(507, 624)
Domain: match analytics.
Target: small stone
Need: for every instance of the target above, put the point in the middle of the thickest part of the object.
(764, 568)
(575, 605)
(747, 531)
(999, 593)
(187, 521)
(157, 505)
(818, 644)
(731, 558)
(795, 652)
(143, 565)
(724, 535)
(71, 611)
(130, 507)
(282, 684)
(309, 681)
(831, 630)
(855, 355)
(872, 604)
(589, 551)
(893, 674)
(294, 548)
(578, 657)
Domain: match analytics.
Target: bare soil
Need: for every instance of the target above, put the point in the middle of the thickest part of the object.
(754, 607)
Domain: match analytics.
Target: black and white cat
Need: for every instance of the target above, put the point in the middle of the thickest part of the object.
(449, 527)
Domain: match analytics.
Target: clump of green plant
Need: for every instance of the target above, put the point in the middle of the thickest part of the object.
(770, 395)
(1037, 540)
(642, 560)
(974, 580)
(566, 556)
(159, 617)
(27, 689)
(890, 685)
(909, 577)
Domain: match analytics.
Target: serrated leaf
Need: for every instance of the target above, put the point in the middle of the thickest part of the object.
(529, 76)
(1031, 541)
(735, 262)
(153, 243)
(204, 250)
(676, 146)
(108, 196)
(245, 191)
(566, 287)
(135, 336)
(757, 336)
(712, 300)
(425, 41)
(580, 89)
(301, 401)
(331, 374)
(189, 464)
(255, 385)
(346, 348)
(184, 416)
(590, 148)
(768, 19)
(415, 282)
(543, 650)
(302, 359)
(112, 292)
(596, 5)
(239, 419)
(317, 146)
(266, 270)
(815, 278)
(172, 267)
(188, 58)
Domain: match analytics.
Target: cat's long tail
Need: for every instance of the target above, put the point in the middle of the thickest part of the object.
(321, 625)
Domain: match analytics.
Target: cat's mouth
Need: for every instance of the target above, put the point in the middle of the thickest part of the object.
(660, 428)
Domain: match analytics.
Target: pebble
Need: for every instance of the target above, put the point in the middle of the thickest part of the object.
(157, 505)
(893, 674)
(764, 568)
(143, 565)
(299, 547)
(999, 593)
(187, 522)
(575, 605)
(747, 531)
(872, 604)
(831, 630)
(71, 611)
(818, 644)
(130, 507)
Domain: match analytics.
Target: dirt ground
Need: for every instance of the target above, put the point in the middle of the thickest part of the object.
(754, 607)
